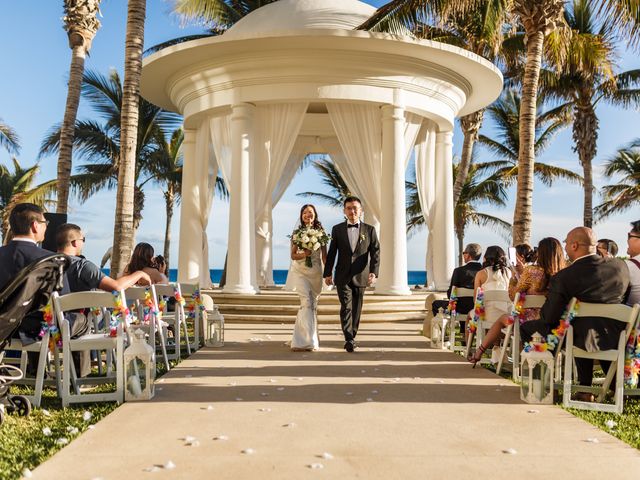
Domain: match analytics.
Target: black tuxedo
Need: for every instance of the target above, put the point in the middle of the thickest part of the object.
(591, 279)
(462, 277)
(352, 271)
(13, 258)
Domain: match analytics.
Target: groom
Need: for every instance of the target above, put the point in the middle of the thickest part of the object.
(356, 244)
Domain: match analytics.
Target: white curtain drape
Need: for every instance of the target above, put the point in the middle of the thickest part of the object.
(277, 129)
(207, 181)
(425, 155)
(411, 130)
(220, 128)
(359, 131)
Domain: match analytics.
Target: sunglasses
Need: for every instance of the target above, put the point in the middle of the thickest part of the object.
(46, 222)
(630, 236)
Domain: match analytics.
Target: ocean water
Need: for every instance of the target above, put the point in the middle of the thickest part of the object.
(280, 276)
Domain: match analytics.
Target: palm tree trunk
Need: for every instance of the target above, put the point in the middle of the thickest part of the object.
(470, 125)
(169, 200)
(526, 155)
(81, 25)
(123, 230)
(138, 206)
(539, 17)
(585, 136)
(460, 236)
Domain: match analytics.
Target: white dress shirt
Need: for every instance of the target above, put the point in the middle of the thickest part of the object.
(634, 277)
(353, 234)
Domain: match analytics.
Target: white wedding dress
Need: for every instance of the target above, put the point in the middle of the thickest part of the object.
(307, 282)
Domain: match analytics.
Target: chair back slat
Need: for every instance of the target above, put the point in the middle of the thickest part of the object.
(79, 300)
(464, 292)
(615, 311)
(532, 301)
(496, 296)
(188, 289)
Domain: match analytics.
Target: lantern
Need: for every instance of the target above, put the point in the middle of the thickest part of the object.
(139, 369)
(438, 329)
(536, 370)
(214, 335)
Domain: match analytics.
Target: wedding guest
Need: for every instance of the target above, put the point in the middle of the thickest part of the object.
(633, 250)
(495, 275)
(533, 281)
(525, 255)
(589, 278)
(607, 248)
(142, 259)
(462, 277)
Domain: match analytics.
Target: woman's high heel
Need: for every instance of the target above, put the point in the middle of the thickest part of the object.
(475, 358)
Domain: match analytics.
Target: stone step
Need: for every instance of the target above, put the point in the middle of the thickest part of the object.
(322, 309)
(325, 319)
(292, 299)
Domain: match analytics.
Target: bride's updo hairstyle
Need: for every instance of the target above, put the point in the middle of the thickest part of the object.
(495, 258)
(316, 221)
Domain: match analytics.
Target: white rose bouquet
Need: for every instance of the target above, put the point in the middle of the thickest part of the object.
(308, 238)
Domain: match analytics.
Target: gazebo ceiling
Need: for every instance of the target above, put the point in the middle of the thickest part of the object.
(307, 50)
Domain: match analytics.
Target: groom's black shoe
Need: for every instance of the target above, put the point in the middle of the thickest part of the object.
(349, 347)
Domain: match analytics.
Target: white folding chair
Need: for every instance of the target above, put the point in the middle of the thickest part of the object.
(188, 290)
(42, 348)
(621, 313)
(530, 301)
(176, 319)
(153, 325)
(490, 296)
(93, 341)
(454, 322)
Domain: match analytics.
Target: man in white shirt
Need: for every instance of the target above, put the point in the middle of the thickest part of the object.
(633, 249)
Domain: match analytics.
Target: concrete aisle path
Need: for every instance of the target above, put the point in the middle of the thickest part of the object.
(392, 410)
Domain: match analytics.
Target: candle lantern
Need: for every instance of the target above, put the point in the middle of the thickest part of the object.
(139, 369)
(214, 336)
(438, 329)
(536, 369)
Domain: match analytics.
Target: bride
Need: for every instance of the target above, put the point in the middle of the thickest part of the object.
(307, 281)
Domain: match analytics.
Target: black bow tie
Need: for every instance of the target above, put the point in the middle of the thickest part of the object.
(353, 226)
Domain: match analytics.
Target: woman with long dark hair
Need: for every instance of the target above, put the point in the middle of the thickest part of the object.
(308, 254)
(143, 259)
(534, 280)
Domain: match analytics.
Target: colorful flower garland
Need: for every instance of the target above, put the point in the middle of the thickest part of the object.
(632, 360)
(49, 325)
(149, 308)
(120, 314)
(478, 311)
(194, 304)
(178, 296)
(453, 302)
(518, 310)
(557, 334)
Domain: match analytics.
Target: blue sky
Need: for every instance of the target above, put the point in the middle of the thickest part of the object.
(32, 98)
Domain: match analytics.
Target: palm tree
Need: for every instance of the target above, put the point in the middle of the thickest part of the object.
(123, 228)
(17, 186)
(477, 189)
(81, 25)
(587, 78)
(624, 194)
(99, 144)
(505, 114)
(330, 177)
(9, 138)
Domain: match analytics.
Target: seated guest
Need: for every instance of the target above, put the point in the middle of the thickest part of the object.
(462, 277)
(84, 275)
(589, 278)
(161, 264)
(607, 248)
(142, 259)
(533, 281)
(633, 250)
(494, 276)
(525, 255)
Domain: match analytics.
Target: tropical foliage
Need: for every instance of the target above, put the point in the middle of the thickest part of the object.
(17, 185)
(329, 176)
(9, 138)
(625, 193)
(585, 79)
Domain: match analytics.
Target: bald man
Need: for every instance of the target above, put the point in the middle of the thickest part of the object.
(589, 278)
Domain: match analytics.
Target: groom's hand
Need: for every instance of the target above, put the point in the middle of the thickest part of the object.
(328, 280)
(372, 279)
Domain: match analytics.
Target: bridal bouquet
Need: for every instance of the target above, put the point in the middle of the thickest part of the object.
(309, 238)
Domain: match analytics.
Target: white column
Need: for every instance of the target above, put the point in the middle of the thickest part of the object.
(443, 236)
(190, 246)
(393, 233)
(241, 245)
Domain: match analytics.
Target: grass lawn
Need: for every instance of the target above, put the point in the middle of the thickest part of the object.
(26, 442)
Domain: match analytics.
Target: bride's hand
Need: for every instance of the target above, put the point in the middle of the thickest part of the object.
(307, 252)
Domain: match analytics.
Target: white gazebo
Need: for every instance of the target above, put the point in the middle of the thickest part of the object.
(294, 78)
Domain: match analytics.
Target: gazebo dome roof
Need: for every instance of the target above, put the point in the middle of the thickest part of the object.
(287, 15)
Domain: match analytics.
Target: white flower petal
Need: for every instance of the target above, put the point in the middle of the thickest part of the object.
(62, 441)
(510, 451)
(610, 424)
(86, 416)
(46, 431)
(221, 438)
(169, 465)
(326, 456)
(316, 466)
(592, 440)
(248, 451)
(46, 412)
(26, 473)
(152, 469)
